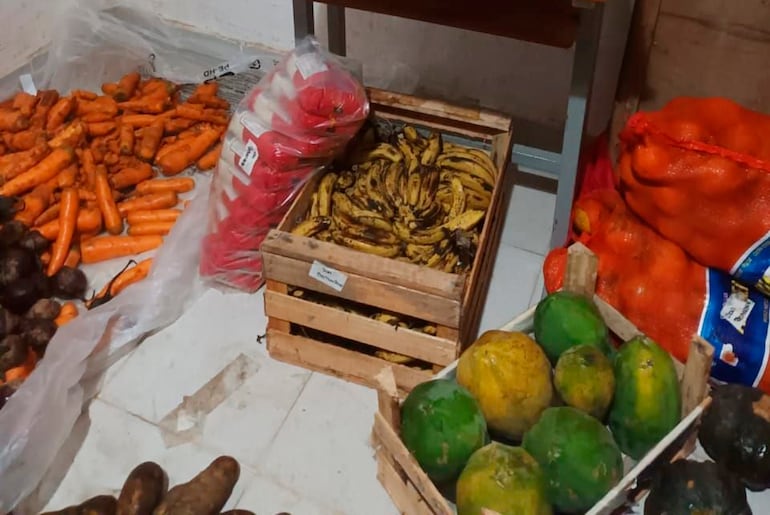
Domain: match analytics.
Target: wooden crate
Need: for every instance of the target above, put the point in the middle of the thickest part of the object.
(412, 491)
(452, 302)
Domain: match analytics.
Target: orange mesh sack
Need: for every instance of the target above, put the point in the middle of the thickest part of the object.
(698, 171)
(665, 293)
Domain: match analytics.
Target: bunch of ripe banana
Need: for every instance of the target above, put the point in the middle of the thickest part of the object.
(419, 199)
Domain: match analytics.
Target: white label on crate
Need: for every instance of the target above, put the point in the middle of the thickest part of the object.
(310, 64)
(332, 278)
(736, 311)
(249, 157)
(27, 84)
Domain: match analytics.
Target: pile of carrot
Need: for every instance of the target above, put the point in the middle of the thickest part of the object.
(87, 164)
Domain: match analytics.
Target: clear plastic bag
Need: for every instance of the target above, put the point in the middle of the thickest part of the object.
(291, 124)
(93, 46)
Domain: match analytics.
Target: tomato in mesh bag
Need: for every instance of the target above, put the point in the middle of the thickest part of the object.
(665, 293)
(698, 171)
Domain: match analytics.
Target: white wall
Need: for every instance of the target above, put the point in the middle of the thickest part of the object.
(530, 81)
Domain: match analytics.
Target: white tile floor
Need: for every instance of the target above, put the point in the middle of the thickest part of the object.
(301, 438)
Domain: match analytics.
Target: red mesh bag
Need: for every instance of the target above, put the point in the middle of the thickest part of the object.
(698, 171)
(665, 293)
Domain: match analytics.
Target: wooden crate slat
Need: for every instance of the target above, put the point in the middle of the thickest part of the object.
(347, 260)
(388, 438)
(333, 360)
(365, 290)
(406, 498)
(360, 328)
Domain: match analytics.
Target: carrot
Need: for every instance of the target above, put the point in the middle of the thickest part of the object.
(83, 94)
(131, 176)
(131, 276)
(109, 88)
(73, 257)
(86, 194)
(52, 213)
(147, 228)
(46, 100)
(139, 120)
(88, 220)
(156, 86)
(59, 113)
(209, 159)
(197, 112)
(22, 371)
(126, 140)
(97, 116)
(13, 120)
(67, 313)
(101, 128)
(45, 257)
(162, 200)
(177, 125)
(25, 140)
(110, 247)
(148, 146)
(98, 149)
(126, 86)
(24, 102)
(112, 219)
(12, 165)
(204, 90)
(146, 105)
(155, 215)
(43, 171)
(35, 203)
(70, 136)
(68, 218)
(68, 176)
(99, 105)
(179, 185)
(177, 160)
(89, 167)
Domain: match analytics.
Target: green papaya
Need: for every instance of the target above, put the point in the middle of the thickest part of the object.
(648, 402)
(564, 320)
(579, 458)
(442, 425)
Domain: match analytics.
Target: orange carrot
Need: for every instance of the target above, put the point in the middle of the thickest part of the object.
(156, 86)
(131, 276)
(140, 120)
(67, 313)
(148, 146)
(162, 200)
(25, 140)
(22, 371)
(35, 202)
(110, 247)
(97, 116)
(52, 213)
(89, 167)
(70, 136)
(126, 140)
(98, 149)
(99, 105)
(83, 94)
(147, 228)
(68, 176)
(111, 158)
(68, 217)
(209, 159)
(109, 88)
(13, 120)
(59, 113)
(178, 185)
(126, 86)
(45, 257)
(146, 105)
(112, 219)
(156, 215)
(88, 220)
(177, 125)
(101, 128)
(12, 165)
(131, 176)
(204, 90)
(175, 161)
(42, 172)
(86, 194)
(25, 103)
(46, 100)
(197, 112)
(73, 257)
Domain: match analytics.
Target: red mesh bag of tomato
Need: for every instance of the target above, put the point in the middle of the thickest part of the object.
(665, 293)
(698, 171)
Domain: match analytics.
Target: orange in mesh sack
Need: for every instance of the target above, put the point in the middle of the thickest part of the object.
(665, 293)
(698, 171)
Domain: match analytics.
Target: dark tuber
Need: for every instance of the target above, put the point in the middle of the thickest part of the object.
(33, 241)
(69, 283)
(8, 207)
(9, 323)
(16, 263)
(13, 352)
(44, 308)
(37, 332)
(11, 233)
(22, 294)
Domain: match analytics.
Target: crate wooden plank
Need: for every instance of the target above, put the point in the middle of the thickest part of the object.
(360, 328)
(358, 288)
(348, 260)
(336, 361)
(406, 498)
